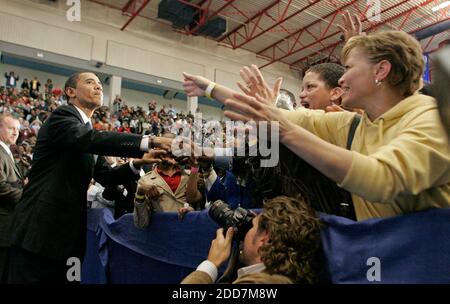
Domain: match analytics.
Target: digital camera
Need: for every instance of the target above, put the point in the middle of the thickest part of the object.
(226, 217)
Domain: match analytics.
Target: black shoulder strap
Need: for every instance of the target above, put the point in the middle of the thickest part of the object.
(351, 132)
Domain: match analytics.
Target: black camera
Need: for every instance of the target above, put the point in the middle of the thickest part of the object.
(226, 217)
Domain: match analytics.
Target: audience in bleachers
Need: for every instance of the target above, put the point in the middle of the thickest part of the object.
(32, 107)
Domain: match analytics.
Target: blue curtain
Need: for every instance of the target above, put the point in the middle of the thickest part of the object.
(413, 248)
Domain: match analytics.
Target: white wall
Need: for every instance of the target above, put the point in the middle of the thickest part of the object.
(131, 97)
(145, 46)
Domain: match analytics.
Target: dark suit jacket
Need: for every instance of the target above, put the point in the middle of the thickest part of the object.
(50, 218)
(10, 193)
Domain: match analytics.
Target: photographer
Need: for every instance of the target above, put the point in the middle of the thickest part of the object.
(283, 246)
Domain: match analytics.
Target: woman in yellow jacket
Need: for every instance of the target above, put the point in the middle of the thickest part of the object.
(400, 158)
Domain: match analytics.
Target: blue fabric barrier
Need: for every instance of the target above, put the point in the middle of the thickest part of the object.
(165, 252)
(413, 248)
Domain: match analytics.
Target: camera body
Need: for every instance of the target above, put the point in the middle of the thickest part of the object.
(226, 217)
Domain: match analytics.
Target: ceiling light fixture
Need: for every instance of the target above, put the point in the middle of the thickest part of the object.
(441, 6)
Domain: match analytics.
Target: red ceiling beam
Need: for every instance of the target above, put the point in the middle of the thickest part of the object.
(197, 6)
(373, 27)
(127, 6)
(258, 15)
(428, 43)
(303, 29)
(282, 20)
(335, 33)
(136, 13)
(204, 17)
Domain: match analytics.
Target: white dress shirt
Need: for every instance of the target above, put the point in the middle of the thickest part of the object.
(210, 269)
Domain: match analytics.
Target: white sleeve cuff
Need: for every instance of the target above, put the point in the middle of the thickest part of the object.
(134, 169)
(209, 182)
(209, 268)
(144, 143)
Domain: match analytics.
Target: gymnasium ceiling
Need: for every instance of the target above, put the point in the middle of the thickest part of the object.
(297, 32)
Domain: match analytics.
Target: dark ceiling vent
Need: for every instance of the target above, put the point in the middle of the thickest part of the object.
(214, 28)
(182, 15)
(176, 12)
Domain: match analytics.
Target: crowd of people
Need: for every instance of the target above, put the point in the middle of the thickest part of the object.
(362, 125)
(32, 106)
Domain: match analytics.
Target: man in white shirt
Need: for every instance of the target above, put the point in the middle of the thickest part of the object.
(282, 247)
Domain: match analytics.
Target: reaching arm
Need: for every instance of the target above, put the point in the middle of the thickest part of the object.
(195, 85)
(352, 26)
(331, 160)
(255, 84)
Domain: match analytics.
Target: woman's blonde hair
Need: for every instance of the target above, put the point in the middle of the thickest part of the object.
(402, 50)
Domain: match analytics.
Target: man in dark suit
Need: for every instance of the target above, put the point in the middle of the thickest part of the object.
(49, 226)
(10, 186)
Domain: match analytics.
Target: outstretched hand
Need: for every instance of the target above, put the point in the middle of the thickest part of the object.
(246, 108)
(151, 157)
(182, 211)
(352, 26)
(194, 85)
(164, 143)
(256, 85)
(149, 191)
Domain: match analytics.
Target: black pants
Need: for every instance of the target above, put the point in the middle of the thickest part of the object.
(26, 267)
(4, 261)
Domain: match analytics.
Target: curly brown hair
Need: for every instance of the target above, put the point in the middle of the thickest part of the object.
(294, 248)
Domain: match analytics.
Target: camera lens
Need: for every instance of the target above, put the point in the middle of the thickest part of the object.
(240, 218)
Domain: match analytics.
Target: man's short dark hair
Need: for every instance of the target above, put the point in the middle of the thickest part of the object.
(330, 73)
(71, 82)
